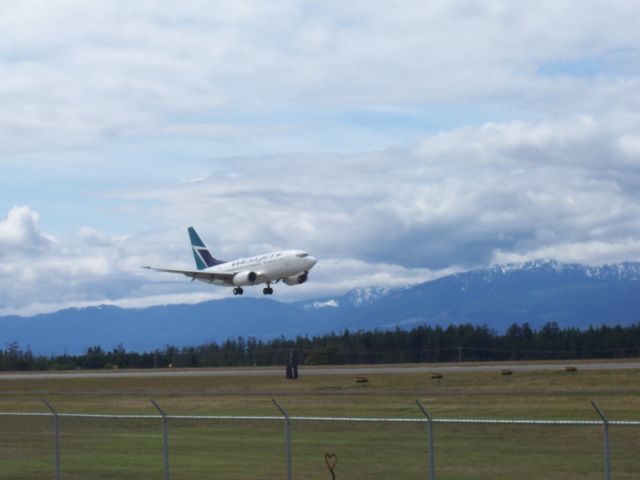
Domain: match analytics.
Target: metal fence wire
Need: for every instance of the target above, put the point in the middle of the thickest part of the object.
(77, 446)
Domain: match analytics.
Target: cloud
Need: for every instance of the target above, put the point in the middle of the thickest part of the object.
(251, 71)
(37, 307)
(456, 201)
(465, 198)
(92, 268)
(20, 233)
(39, 269)
(590, 252)
(630, 147)
(431, 138)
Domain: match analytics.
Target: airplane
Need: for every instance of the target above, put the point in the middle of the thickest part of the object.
(289, 266)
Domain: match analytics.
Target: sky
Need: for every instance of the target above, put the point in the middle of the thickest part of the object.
(396, 141)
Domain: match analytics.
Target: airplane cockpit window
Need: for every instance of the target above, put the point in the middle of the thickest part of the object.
(302, 255)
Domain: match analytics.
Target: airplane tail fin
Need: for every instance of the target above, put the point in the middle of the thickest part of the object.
(201, 253)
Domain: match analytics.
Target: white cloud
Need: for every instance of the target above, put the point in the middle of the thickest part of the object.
(630, 146)
(38, 269)
(454, 200)
(36, 308)
(91, 268)
(465, 198)
(19, 232)
(586, 252)
(248, 71)
(527, 119)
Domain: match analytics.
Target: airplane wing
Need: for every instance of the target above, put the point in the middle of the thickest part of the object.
(198, 274)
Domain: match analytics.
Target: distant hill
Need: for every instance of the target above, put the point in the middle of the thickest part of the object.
(535, 292)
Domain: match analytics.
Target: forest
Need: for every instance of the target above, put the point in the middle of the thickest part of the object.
(454, 343)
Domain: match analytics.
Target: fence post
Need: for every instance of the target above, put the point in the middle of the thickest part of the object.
(432, 466)
(607, 454)
(287, 436)
(56, 432)
(165, 441)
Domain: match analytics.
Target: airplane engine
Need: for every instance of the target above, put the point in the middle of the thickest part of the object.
(244, 278)
(297, 279)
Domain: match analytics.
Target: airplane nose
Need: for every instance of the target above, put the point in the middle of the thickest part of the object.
(312, 261)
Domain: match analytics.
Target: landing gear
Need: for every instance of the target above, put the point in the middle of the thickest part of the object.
(238, 291)
(268, 290)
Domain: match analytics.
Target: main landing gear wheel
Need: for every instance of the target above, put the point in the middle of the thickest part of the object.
(267, 291)
(238, 291)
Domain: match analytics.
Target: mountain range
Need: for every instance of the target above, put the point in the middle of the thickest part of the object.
(536, 292)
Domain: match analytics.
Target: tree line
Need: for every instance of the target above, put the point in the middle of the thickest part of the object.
(421, 344)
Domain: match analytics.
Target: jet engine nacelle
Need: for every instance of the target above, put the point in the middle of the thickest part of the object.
(297, 279)
(244, 278)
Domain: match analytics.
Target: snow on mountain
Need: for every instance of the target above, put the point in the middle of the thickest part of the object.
(360, 297)
(319, 305)
(629, 271)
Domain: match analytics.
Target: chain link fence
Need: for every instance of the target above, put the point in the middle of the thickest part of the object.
(100, 446)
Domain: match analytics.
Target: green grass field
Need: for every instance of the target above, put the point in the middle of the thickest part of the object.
(250, 449)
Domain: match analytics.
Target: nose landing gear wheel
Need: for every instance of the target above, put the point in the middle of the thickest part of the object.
(238, 291)
(267, 290)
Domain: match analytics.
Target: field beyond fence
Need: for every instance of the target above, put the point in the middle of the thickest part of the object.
(261, 447)
(533, 425)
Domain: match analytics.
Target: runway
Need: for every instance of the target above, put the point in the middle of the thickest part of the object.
(309, 370)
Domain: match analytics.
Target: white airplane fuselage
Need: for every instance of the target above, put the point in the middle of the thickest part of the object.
(286, 265)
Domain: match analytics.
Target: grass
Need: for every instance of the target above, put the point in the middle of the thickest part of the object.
(107, 448)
